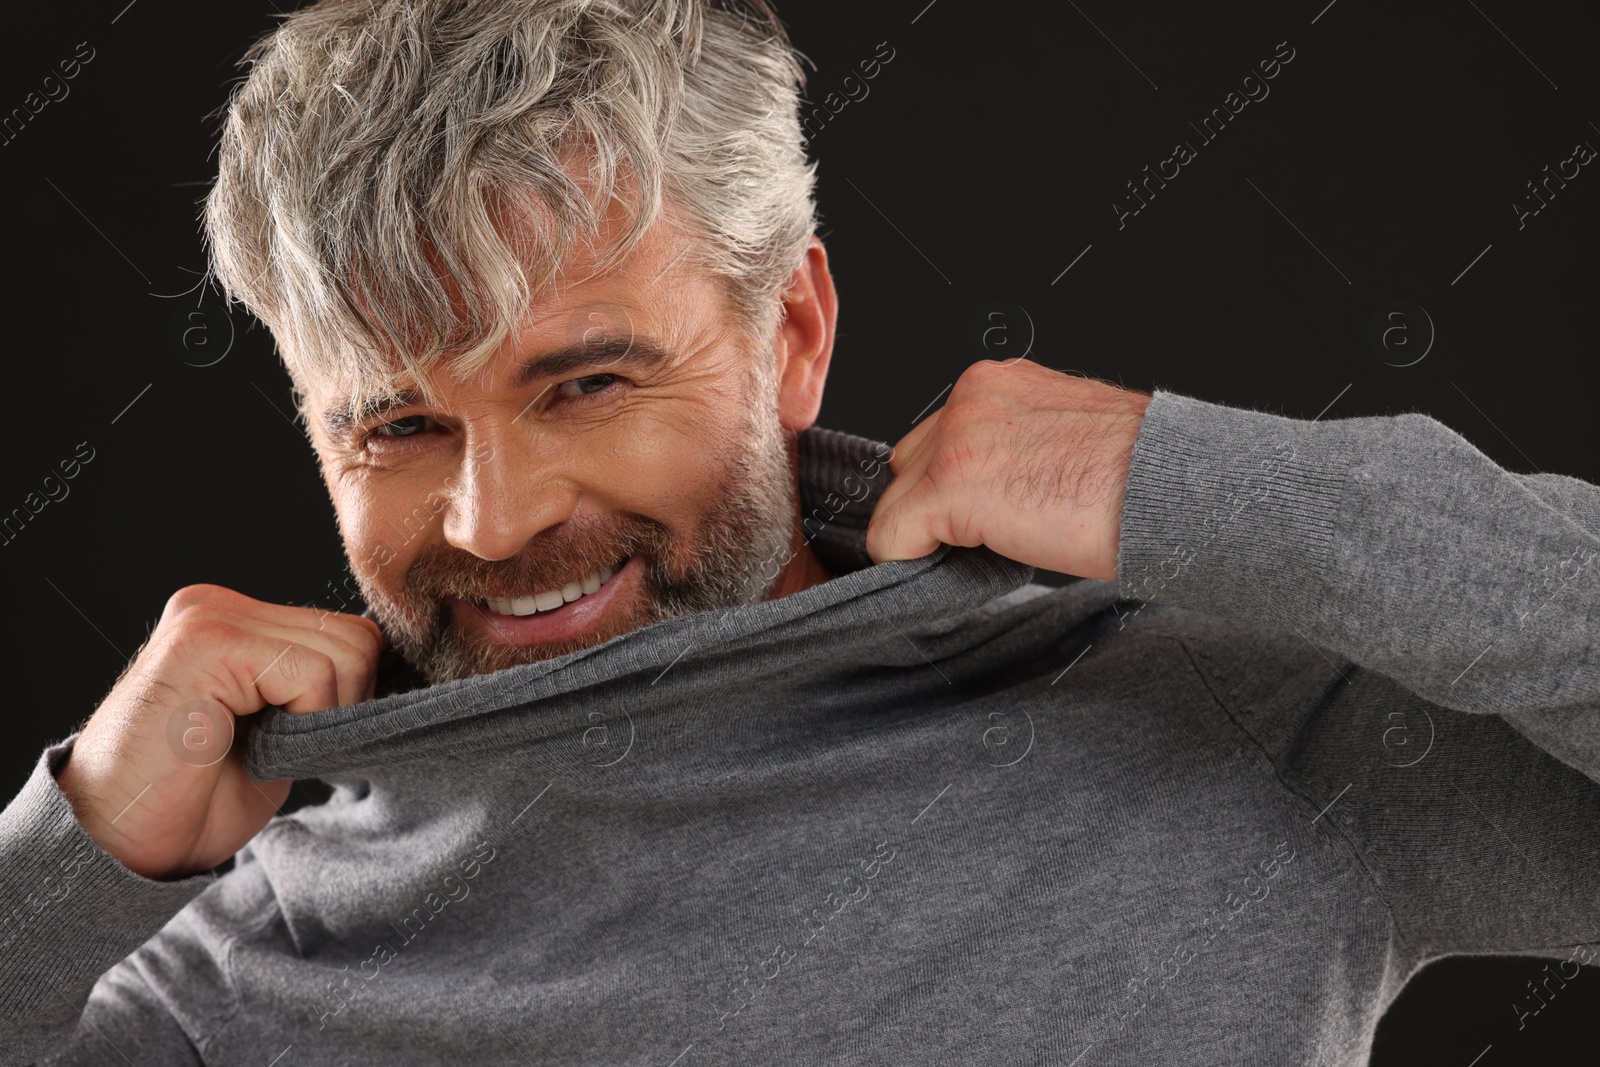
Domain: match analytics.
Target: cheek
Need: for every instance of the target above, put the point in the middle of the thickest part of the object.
(667, 463)
(382, 533)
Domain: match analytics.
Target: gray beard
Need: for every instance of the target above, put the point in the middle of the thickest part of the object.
(732, 559)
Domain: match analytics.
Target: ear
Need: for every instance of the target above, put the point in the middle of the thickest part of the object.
(804, 343)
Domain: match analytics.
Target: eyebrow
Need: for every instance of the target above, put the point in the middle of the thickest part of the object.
(343, 417)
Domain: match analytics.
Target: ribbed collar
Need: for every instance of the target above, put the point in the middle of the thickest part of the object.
(841, 477)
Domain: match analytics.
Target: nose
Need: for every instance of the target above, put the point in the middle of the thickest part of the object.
(503, 495)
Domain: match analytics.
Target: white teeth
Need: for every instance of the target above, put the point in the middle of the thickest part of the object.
(550, 599)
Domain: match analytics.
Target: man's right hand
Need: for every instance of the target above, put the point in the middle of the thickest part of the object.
(154, 777)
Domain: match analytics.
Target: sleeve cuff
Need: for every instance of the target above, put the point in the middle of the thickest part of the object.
(1228, 510)
(69, 910)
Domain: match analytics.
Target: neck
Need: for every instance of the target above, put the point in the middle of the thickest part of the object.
(802, 571)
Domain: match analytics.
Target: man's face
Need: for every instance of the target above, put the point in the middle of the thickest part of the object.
(635, 471)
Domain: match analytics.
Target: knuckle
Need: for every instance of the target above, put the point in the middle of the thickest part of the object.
(357, 630)
(290, 663)
(201, 624)
(301, 664)
(348, 661)
(371, 634)
(189, 597)
(309, 668)
(985, 372)
(981, 370)
(321, 665)
(974, 413)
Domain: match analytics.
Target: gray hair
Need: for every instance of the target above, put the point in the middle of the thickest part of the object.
(373, 157)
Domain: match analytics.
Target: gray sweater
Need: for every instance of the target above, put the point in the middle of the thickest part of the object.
(1339, 716)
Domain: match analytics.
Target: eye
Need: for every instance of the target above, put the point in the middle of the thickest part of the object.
(586, 386)
(409, 426)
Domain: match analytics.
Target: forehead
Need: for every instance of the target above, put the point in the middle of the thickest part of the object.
(645, 301)
(651, 289)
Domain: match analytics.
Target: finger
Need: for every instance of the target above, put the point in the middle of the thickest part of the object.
(899, 527)
(354, 665)
(910, 473)
(267, 669)
(356, 629)
(299, 679)
(362, 627)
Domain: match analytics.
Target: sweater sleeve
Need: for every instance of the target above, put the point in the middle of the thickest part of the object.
(1416, 648)
(71, 912)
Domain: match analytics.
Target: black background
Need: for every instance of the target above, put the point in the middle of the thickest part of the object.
(982, 163)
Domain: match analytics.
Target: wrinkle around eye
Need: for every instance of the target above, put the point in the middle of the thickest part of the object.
(581, 393)
(378, 430)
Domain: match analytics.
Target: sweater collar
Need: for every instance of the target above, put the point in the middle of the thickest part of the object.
(841, 477)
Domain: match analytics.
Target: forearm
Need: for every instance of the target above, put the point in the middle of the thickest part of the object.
(69, 911)
(1388, 539)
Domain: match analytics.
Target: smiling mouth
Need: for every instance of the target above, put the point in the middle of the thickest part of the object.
(552, 599)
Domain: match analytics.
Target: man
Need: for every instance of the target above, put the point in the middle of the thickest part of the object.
(705, 734)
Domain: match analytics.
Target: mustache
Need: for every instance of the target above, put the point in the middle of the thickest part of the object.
(549, 562)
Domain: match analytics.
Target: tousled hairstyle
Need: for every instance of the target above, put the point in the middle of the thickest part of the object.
(393, 184)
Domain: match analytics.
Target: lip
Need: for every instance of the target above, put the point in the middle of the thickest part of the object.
(583, 617)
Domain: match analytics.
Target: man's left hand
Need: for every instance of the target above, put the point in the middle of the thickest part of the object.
(1029, 461)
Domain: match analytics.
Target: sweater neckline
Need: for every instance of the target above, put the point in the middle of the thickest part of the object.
(841, 478)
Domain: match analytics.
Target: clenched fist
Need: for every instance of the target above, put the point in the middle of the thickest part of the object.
(1027, 460)
(154, 777)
